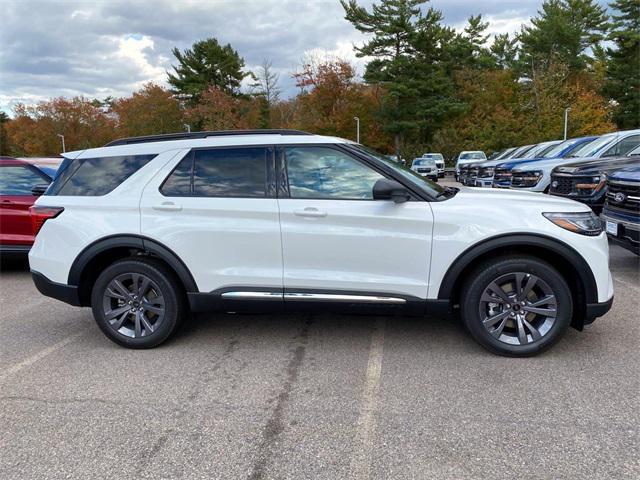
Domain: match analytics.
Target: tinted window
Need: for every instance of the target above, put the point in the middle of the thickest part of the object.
(230, 172)
(623, 146)
(321, 172)
(95, 176)
(16, 180)
(178, 183)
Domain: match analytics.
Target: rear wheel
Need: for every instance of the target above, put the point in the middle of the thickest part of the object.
(516, 306)
(138, 303)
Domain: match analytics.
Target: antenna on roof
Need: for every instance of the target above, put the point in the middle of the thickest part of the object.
(194, 135)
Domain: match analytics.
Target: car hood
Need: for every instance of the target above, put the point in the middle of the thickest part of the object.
(629, 174)
(507, 198)
(546, 164)
(590, 166)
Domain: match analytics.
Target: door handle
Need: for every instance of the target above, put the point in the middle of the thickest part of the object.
(168, 207)
(310, 212)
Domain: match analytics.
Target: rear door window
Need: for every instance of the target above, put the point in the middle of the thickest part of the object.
(18, 180)
(221, 172)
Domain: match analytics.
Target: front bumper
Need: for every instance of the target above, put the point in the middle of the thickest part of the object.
(628, 236)
(65, 293)
(484, 182)
(595, 310)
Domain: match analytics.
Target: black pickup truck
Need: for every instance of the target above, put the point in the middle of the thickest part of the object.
(586, 182)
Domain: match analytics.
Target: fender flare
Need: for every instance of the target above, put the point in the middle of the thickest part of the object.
(131, 241)
(509, 240)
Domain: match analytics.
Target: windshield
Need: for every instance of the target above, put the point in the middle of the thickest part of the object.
(434, 156)
(423, 162)
(555, 151)
(519, 153)
(473, 156)
(593, 147)
(539, 150)
(432, 188)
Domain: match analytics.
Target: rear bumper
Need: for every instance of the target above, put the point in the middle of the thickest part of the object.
(59, 291)
(14, 250)
(595, 310)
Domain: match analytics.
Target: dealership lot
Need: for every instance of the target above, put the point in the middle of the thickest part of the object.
(314, 396)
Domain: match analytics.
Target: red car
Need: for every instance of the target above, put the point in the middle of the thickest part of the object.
(17, 178)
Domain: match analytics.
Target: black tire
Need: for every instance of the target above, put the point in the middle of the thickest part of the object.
(163, 286)
(521, 325)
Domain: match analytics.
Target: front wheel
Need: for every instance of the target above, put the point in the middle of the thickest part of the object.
(516, 306)
(138, 303)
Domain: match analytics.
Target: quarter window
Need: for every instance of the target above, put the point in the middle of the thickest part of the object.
(321, 172)
(95, 176)
(16, 180)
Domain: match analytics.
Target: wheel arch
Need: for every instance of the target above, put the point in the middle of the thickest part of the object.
(96, 256)
(563, 257)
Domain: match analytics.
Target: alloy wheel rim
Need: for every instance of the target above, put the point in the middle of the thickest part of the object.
(133, 305)
(518, 308)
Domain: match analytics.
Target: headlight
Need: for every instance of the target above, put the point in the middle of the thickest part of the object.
(598, 182)
(528, 179)
(586, 223)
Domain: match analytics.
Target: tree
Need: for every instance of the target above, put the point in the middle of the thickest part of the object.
(623, 68)
(149, 111)
(267, 82)
(34, 129)
(564, 31)
(218, 110)
(207, 64)
(468, 49)
(331, 98)
(4, 144)
(505, 51)
(407, 50)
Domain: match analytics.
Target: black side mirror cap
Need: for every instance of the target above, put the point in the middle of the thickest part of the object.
(386, 189)
(39, 189)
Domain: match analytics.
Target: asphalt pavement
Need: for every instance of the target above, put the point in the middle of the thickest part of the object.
(317, 396)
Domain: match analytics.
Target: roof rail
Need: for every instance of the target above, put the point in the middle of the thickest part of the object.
(191, 135)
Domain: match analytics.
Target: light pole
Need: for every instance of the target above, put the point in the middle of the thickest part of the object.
(566, 121)
(62, 137)
(357, 119)
(188, 127)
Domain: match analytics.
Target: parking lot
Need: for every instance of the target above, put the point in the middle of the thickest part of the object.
(314, 396)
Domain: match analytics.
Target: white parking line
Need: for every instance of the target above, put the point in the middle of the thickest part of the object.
(38, 356)
(365, 430)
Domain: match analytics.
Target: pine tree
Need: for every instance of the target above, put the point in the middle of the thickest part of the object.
(408, 63)
(207, 64)
(564, 31)
(505, 51)
(623, 68)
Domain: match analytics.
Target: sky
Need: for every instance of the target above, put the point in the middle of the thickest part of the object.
(106, 48)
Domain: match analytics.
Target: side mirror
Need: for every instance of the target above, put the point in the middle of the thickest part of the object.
(386, 189)
(39, 189)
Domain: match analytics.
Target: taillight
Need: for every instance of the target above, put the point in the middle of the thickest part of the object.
(39, 215)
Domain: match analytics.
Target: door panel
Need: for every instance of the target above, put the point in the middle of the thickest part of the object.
(366, 246)
(224, 241)
(15, 221)
(337, 238)
(16, 182)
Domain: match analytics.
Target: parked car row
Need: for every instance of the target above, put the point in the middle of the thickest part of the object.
(600, 171)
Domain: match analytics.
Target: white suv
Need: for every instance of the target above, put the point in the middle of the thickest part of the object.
(145, 229)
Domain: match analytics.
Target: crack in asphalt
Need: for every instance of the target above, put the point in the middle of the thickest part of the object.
(205, 377)
(275, 425)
